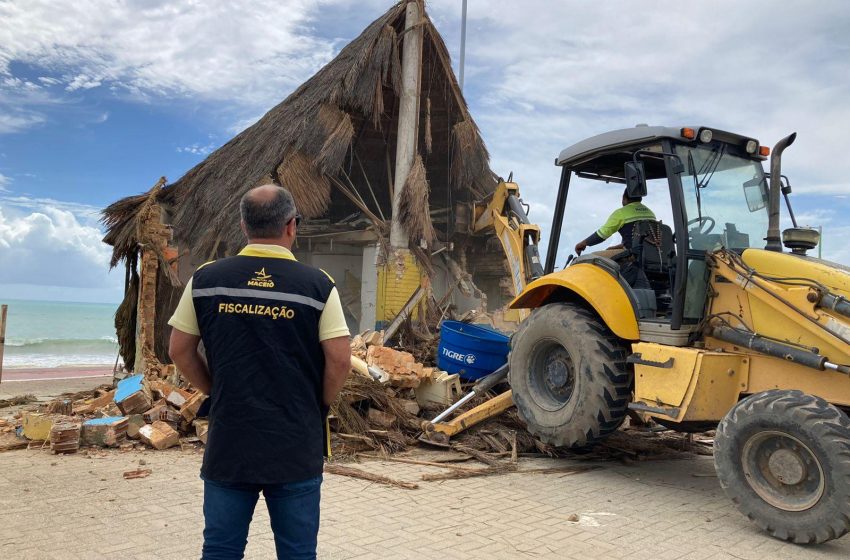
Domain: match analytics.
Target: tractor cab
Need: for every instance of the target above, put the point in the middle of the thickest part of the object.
(717, 192)
(725, 331)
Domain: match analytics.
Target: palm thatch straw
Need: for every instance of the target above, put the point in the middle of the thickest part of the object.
(414, 208)
(331, 142)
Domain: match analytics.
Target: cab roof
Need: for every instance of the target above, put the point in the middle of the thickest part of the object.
(620, 140)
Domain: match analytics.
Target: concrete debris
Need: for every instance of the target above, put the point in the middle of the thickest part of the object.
(159, 435)
(106, 417)
(134, 423)
(441, 388)
(190, 408)
(176, 398)
(132, 395)
(36, 426)
(65, 437)
(201, 428)
(92, 404)
(109, 431)
(153, 413)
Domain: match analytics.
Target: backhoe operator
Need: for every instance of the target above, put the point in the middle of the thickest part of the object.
(622, 219)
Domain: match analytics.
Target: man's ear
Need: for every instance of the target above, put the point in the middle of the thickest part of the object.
(244, 229)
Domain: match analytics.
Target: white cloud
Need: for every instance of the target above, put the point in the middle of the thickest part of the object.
(4, 182)
(247, 51)
(88, 214)
(81, 81)
(50, 247)
(197, 149)
(541, 76)
(19, 120)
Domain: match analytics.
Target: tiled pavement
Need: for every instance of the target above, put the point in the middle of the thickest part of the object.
(81, 507)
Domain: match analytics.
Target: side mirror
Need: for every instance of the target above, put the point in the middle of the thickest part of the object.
(755, 191)
(635, 179)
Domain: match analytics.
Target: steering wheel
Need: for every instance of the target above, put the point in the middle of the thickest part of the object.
(702, 221)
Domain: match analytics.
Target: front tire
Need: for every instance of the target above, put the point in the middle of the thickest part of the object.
(568, 372)
(783, 457)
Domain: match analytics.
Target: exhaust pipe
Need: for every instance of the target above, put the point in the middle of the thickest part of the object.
(774, 239)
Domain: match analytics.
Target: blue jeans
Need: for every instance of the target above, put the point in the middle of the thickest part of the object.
(293, 509)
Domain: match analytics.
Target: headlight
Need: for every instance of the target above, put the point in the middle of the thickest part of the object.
(751, 146)
(705, 135)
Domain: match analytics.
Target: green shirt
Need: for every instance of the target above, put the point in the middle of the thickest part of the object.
(632, 212)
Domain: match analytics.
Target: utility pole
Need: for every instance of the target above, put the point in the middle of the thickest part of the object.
(408, 115)
(462, 45)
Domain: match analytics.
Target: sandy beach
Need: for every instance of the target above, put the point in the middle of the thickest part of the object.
(51, 382)
(55, 374)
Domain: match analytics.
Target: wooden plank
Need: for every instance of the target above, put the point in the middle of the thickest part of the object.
(404, 313)
(3, 309)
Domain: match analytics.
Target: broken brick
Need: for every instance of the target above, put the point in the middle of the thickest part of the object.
(152, 414)
(133, 395)
(105, 432)
(159, 435)
(201, 429)
(134, 422)
(65, 437)
(190, 409)
(99, 402)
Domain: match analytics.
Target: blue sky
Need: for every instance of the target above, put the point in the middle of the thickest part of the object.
(100, 99)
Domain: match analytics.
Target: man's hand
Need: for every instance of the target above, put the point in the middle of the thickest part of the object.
(183, 351)
(337, 367)
(580, 246)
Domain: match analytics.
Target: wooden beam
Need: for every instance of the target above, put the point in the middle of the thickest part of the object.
(408, 114)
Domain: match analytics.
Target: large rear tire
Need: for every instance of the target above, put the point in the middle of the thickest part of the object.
(783, 457)
(569, 376)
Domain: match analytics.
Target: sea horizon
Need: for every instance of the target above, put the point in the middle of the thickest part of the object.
(56, 334)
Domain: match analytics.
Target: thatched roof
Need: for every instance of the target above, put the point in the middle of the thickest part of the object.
(330, 143)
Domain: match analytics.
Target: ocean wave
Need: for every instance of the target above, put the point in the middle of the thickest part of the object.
(101, 345)
(54, 360)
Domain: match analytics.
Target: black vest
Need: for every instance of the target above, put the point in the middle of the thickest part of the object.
(259, 320)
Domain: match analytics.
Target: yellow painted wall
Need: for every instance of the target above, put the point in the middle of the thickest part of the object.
(397, 280)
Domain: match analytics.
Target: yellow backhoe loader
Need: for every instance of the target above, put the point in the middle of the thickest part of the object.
(731, 331)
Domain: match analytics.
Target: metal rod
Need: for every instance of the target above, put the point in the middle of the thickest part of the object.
(453, 407)
(482, 386)
(462, 45)
(557, 221)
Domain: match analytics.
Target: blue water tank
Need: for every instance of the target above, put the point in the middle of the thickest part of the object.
(472, 351)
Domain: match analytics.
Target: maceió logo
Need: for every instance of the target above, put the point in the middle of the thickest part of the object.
(261, 279)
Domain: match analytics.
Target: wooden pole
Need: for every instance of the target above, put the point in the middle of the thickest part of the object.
(408, 114)
(3, 309)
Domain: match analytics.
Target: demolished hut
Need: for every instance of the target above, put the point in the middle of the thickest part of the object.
(386, 166)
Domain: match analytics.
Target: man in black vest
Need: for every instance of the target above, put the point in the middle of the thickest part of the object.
(277, 355)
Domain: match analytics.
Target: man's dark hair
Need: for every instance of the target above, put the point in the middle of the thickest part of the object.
(266, 217)
(631, 199)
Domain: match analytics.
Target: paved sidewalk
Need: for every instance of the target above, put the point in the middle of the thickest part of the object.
(81, 507)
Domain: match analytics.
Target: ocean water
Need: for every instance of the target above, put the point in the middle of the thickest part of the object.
(52, 334)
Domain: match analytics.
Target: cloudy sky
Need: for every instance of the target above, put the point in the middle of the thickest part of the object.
(98, 99)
